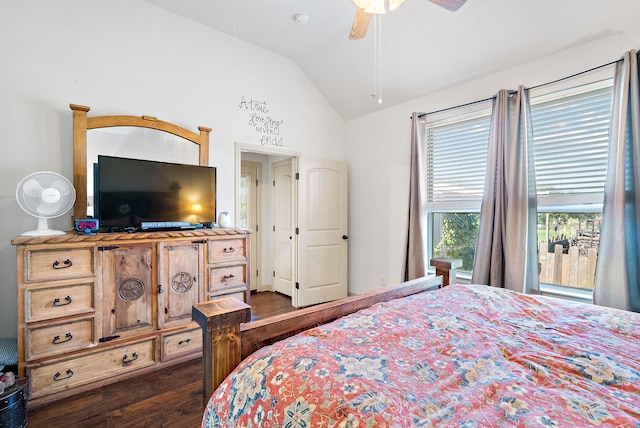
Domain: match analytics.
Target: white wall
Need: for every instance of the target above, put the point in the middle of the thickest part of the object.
(378, 151)
(128, 57)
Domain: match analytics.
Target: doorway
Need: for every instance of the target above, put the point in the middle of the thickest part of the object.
(263, 258)
(303, 225)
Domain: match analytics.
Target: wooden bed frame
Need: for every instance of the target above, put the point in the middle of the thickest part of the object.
(228, 336)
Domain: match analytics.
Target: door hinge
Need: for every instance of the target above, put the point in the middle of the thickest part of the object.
(274, 183)
(257, 228)
(257, 272)
(297, 176)
(274, 227)
(257, 182)
(274, 273)
(297, 286)
(297, 231)
(108, 247)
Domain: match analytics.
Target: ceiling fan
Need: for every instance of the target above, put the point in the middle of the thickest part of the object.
(368, 7)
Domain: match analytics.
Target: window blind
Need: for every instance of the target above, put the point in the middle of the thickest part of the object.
(570, 140)
(456, 159)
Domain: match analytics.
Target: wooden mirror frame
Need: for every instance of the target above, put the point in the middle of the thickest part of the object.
(82, 123)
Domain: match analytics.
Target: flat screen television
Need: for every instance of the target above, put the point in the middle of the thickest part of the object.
(129, 192)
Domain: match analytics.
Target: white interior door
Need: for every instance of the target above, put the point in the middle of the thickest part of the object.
(283, 226)
(249, 214)
(323, 231)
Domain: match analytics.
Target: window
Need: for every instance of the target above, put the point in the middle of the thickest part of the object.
(243, 217)
(570, 141)
(456, 157)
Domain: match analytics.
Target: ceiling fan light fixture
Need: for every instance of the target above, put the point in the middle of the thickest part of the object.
(367, 8)
(376, 7)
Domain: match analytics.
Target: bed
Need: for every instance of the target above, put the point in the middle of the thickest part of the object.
(458, 356)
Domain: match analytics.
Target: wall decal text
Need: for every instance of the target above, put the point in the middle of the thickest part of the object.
(266, 127)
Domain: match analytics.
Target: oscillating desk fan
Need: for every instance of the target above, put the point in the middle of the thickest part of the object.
(45, 195)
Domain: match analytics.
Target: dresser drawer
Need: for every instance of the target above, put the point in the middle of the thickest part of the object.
(52, 302)
(226, 250)
(47, 265)
(227, 277)
(58, 339)
(238, 293)
(181, 343)
(70, 373)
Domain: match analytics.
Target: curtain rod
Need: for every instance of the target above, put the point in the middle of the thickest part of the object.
(454, 107)
(533, 87)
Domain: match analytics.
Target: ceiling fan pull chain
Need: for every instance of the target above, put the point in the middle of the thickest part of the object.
(377, 58)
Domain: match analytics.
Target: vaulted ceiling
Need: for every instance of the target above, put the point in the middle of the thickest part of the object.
(424, 48)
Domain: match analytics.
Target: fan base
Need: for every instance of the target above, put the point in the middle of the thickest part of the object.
(43, 232)
(43, 229)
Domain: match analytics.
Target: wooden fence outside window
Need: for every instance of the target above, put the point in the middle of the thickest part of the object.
(576, 268)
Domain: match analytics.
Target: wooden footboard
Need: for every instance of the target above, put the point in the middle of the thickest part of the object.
(229, 336)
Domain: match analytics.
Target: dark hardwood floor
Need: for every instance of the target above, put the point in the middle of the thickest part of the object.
(171, 397)
(268, 304)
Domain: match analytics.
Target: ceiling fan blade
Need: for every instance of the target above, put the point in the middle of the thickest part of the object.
(450, 5)
(360, 24)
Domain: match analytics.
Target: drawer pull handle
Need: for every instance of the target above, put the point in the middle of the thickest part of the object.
(56, 301)
(57, 377)
(229, 250)
(57, 341)
(186, 341)
(126, 358)
(228, 277)
(65, 264)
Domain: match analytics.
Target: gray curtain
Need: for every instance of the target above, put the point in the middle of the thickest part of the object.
(617, 283)
(506, 249)
(415, 254)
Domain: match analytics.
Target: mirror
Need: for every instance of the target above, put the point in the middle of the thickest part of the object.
(135, 137)
(136, 143)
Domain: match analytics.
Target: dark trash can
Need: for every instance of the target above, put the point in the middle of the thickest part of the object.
(13, 405)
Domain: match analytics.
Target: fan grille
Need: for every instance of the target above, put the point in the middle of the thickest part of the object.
(45, 194)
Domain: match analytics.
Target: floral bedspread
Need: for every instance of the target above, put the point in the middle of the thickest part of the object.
(461, 356)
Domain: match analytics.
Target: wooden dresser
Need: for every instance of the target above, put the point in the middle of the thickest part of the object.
(96, 309)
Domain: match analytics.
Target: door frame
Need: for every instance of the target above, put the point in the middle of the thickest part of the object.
(256, 205)
(263, 150)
